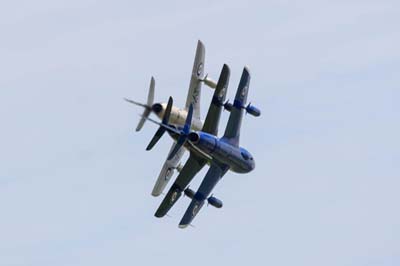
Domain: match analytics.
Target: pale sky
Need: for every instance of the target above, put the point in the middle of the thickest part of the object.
(75, 179)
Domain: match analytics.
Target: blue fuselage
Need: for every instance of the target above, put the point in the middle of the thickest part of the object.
(238, 159)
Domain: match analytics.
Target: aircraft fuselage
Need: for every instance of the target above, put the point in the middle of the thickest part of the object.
(238, 159)
(177, 116)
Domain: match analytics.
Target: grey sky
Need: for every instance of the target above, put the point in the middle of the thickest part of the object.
(75, 180)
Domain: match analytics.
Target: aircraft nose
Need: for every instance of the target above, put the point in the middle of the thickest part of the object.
(157, 108)
(252, 164)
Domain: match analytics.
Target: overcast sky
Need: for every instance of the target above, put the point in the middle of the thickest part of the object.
(75, 179)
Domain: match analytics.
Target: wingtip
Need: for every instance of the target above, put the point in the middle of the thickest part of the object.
(156, 191)
(200, 46)
(182, 226)
(225, 66)
(152, 83)
(155, 194)
(158, 215)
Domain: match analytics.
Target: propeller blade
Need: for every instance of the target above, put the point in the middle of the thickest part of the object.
(137, 103)
(145, 114)
(167, 127)
(150, 97)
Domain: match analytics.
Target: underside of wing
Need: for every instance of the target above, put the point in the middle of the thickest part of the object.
(217, 103)
(212, 177)
(192, 166)
(167, 171)
(194, 93)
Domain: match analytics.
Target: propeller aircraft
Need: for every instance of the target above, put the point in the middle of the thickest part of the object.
(177, 116)
(221, 154)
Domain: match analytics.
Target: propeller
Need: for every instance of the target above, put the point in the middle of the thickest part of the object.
(147, 107)
(183, 134)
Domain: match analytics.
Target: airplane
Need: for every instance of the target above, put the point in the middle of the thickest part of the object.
(222, 154)
(177, 115)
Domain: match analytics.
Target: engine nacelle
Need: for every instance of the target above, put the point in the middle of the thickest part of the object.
(228, 106)
(254, 111)
(213, 201)
(189, 193)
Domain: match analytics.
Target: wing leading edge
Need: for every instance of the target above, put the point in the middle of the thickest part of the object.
(194, 92)
(217, 103)
(232, 131)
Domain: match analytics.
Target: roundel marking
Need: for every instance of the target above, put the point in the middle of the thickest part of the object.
(195, 209)
(174, 195)
(244, 91)
(168, 174)
(199, 69)
(222, 92)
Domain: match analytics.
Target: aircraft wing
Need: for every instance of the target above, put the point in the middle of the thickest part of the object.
(194, 93)
(232, 131)
(217, 103)
(167, 171)
(192, 166)
(214, 174)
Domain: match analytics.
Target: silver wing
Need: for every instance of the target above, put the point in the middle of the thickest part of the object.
(167, 171)
(193, 97)
(194, 93)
